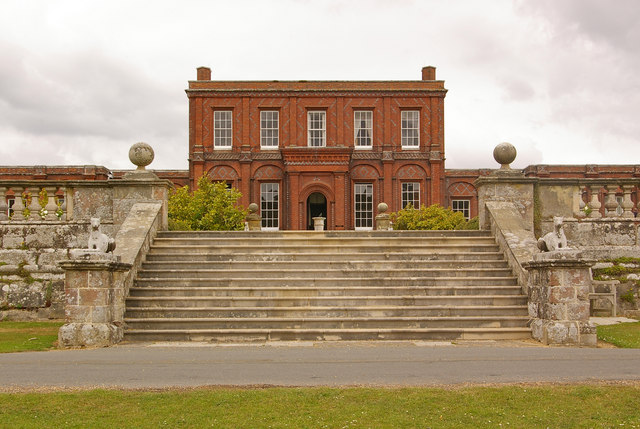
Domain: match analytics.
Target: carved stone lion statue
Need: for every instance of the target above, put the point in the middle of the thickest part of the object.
(555, 240)
(99, 241)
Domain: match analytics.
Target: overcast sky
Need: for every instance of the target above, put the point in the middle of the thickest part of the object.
(82, 80)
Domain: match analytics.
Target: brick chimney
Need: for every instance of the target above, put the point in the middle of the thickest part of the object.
(204, 73)
(428, 73)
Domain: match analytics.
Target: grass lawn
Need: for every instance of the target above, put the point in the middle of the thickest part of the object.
(28, 336)
(625, 335)
(526, 406)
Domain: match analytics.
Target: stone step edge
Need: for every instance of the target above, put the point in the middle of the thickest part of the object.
(318, 270)
(325, 279)
(320, 237)
(452, 246)
(327, 261)
(321, 319)
(313, 288)
(342, 308)
(429, 256)
(327, 330)
(359, 233)
(315, 297)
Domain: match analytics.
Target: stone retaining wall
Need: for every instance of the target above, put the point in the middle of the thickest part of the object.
(31, 282)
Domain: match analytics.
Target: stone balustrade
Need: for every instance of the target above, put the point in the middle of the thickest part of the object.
(34, 201)
(610, 198)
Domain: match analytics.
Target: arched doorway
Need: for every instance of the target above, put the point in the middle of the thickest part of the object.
(316, 206)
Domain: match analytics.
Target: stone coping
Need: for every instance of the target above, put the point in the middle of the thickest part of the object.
(92, 265)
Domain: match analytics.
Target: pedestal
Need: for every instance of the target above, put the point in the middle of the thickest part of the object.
(383, 222)
(94, 301)
(318, 223)
(559, 299)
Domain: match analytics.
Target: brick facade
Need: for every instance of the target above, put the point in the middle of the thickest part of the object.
(329, 178)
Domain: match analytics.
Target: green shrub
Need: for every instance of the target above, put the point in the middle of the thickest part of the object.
(616, 271)
(473, 223)
(628, 296)
(626, 260)
(212, 207)
(434, 217)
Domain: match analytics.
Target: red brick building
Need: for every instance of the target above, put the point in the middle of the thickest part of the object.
(337, 149)
(333, 148)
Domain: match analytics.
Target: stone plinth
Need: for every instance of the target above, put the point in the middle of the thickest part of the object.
(383, 219)
(253, 219)
(383, 222)
(558, 292)
(94, 301)
(318, 223)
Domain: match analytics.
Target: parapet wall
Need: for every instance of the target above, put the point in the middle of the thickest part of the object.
(33, 243)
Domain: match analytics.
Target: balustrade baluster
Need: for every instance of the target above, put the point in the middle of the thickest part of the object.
(18, 205)
(4, 207)
(63, 205)
(34, 205)
(595, 205)
(610, 203)
(627, 203)
(51, 207)
(581, 203)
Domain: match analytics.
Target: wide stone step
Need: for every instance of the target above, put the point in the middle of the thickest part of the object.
(332, 301)
(155, 255)
(336, 248)
(316, 273)
(136, 312)
(264, 335)
(329, 322)
(338, 264)
(325, 291)
(377, 235)
(327, 282)
(324, 241)
(322, 286)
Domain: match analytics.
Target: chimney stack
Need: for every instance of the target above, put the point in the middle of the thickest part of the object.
(428, 73)
(204, 73)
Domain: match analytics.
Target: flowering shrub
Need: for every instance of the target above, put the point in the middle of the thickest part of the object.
(211, 207)
(434, 217)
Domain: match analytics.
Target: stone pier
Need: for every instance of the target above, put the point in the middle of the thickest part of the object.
(94, 301)
(558, 290)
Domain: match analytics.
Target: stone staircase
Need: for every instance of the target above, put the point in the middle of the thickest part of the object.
(313, 286)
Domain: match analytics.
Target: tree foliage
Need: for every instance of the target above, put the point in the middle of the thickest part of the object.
(211, 207)
(434, 217)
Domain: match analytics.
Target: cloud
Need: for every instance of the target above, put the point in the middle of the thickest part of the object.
(81, 80)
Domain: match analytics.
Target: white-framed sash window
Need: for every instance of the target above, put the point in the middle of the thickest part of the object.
(222, 129)
(270, 206)
(462, 206)
(317, 128)
(269, 129)
(410, 126)
(363, 205)
(363, 129)
(411, 194)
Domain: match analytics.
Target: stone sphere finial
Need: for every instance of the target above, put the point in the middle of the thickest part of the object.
(504, 154)
(253, 208)
(141, 154)
(383, 207)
